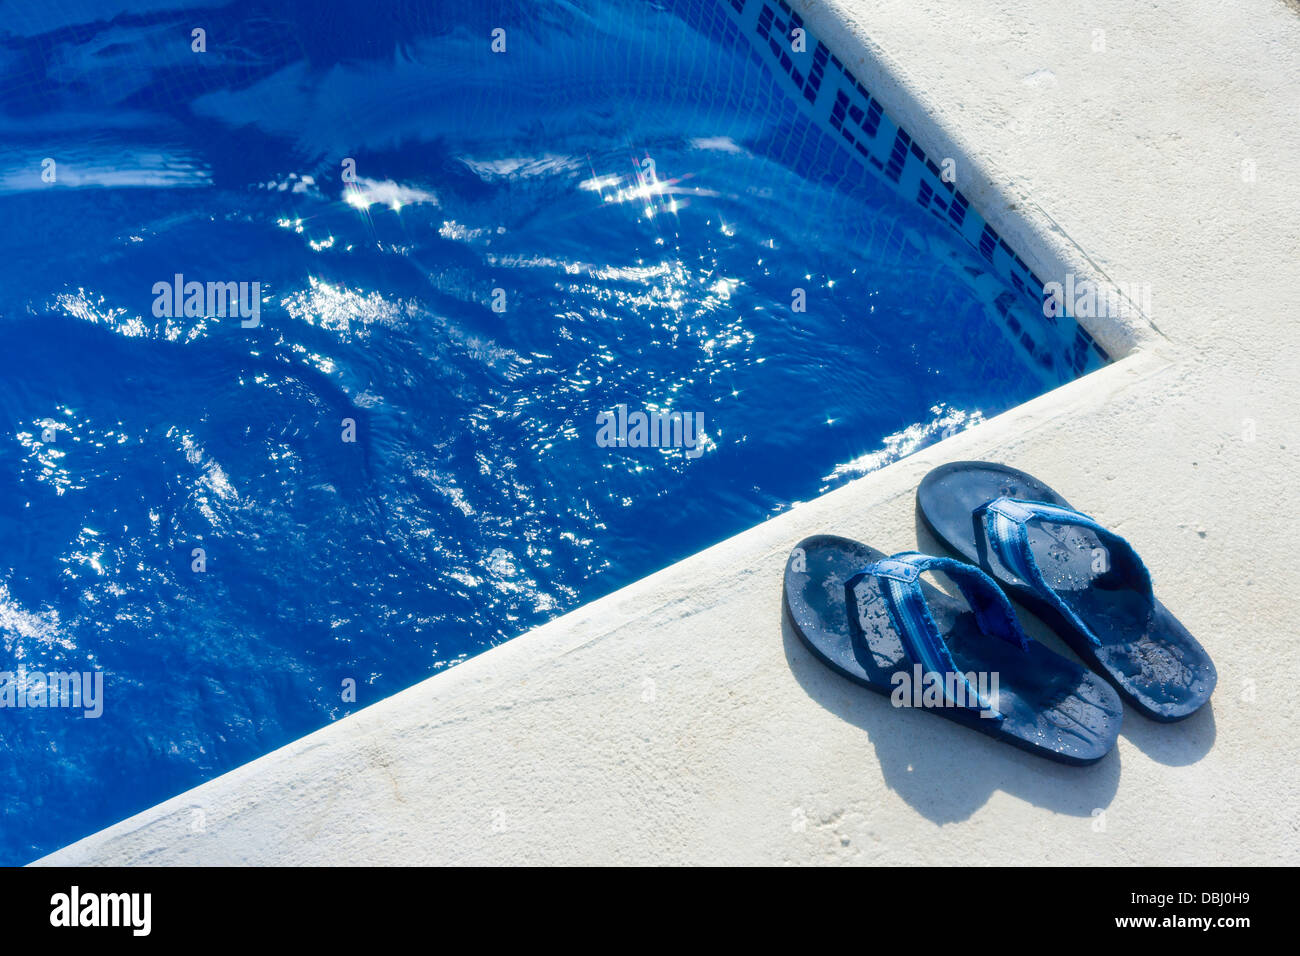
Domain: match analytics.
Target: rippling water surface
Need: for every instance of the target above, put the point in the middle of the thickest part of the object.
(646, 245)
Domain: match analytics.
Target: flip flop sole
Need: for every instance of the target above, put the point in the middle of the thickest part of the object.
(1145, 652)
(1053, 707)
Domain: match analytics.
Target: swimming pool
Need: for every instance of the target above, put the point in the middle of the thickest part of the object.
(453, 278)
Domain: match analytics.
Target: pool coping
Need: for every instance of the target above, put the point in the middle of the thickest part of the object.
(1004, 202)
(675, 720)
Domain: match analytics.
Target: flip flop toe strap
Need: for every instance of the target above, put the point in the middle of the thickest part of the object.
(909, 612)
(1005, 523)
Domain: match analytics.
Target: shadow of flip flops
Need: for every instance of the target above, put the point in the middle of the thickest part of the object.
(943, 770)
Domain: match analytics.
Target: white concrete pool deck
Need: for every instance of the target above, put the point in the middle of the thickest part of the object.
(679, 721)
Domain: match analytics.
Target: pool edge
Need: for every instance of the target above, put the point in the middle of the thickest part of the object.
(171, 832)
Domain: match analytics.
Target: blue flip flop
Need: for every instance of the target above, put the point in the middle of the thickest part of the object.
(873, 620)
(1083, 580)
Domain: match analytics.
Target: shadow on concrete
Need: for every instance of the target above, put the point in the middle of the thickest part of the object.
(1175, 745)
(943, 770)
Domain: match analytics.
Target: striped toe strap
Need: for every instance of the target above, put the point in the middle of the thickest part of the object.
(1005, 523)
(909, 611)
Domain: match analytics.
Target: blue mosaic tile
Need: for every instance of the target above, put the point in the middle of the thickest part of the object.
(837, 103)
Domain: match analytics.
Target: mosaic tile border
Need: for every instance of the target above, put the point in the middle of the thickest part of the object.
(839, 102)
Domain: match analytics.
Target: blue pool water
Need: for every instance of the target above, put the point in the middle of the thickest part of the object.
(625, 174)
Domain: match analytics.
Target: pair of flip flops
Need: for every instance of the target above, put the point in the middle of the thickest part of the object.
(871, 618)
